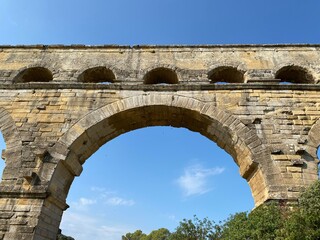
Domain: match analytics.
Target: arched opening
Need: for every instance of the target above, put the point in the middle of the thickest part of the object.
(161, 76)
(2, 162)
(313, 152)
(151, 178)
(97, 75)
(34, 74)
(102, 125)
(293, 74)
(225, 74)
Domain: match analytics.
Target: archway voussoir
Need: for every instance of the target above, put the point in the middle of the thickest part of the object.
(183, 101)
(121, 106)
(220, 115)
(205, 107)
(72, 135)
(211, 111)
(165, 100)
(148, 99)
(153, 98)
(226, 120)
(142, 101)
(198, 105)
(190, 104)
(115, 107)
(127, 104)
(135, 101)
(254, 144)
(74, 166)
(231, 121)
(111, 109)
(59, 151)
(178, 101)
(104, 111)
(314, 136)
(92, 119)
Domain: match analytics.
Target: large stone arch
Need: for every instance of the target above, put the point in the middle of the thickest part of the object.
(13, 142)
(106, 123)
(8, 128)
(313, 143)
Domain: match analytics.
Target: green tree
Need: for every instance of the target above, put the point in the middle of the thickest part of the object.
(261, 224)
(195, 229)
(293, 228)
(137, 235)
(236, 227)
(309, 204)
(160, 234)
(304, 221)
(265, 221)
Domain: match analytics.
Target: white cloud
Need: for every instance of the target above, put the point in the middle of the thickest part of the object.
(98, 189)
(102, 196)
(194, 181)
(83, 226)
(111, 198)
(85, 219)
(83, 204)
(86, 201)
(117, 201)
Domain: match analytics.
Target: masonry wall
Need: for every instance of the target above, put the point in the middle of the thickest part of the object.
(279, 122)
(130, 64)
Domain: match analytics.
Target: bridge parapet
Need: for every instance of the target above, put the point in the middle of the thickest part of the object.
(189, 64)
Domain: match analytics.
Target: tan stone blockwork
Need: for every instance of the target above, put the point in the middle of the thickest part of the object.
(51, 126)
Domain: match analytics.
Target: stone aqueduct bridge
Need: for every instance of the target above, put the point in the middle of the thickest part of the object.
(59, 104)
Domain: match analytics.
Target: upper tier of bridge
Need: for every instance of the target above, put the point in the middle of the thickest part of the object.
(181, 66)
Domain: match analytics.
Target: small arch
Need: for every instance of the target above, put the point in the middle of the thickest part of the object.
(294, 74)
(161, 75)
(226, 74)
(97, 75)
(34, 74)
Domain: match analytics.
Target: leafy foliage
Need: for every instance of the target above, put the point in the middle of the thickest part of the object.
(264, 221)
(160, 234)
(304, 222)
(310, 210)
(236, 227)
(261, 224)
(137, 235)
(195, 230)
(268, 221)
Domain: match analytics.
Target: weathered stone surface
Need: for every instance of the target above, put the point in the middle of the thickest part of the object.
(59, 104)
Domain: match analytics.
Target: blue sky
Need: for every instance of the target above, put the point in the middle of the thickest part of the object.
(159, 21)
(165, 174)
